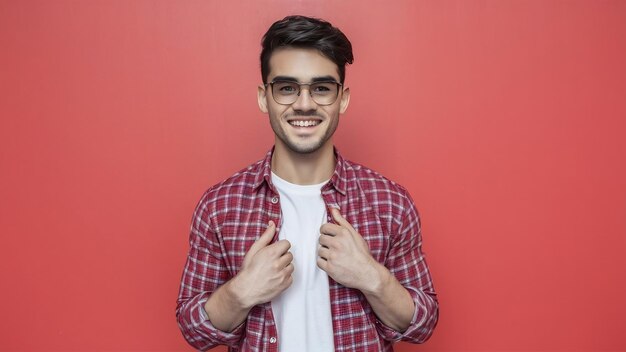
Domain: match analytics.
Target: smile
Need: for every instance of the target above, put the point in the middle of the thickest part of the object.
(304, 123)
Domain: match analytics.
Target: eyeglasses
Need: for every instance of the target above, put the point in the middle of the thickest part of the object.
(287, 92)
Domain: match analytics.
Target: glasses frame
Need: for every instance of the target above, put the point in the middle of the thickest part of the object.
(271, 84)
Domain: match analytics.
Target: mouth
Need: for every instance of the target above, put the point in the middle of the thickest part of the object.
(304, 123)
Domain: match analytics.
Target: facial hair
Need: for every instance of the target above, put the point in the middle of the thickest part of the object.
(293, 146)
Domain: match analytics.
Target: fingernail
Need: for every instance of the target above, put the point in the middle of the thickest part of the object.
(270, 224)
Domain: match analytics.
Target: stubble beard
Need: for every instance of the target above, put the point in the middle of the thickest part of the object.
(304, 149)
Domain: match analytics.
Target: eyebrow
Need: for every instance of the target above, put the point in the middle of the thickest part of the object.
(314, 80)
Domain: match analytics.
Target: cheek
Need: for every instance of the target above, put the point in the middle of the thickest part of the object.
(332, 113)
(275, 110)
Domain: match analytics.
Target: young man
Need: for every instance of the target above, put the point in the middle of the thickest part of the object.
(305, 250)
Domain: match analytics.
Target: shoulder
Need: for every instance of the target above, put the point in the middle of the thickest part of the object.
(231, 190)
(372, 182)
(240, 182)
(391, 201)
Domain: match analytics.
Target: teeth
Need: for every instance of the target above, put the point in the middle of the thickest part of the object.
(304, 123)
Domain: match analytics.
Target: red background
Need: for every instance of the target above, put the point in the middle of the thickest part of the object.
(505, 120)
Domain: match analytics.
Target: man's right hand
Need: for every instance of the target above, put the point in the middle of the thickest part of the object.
(266, 270)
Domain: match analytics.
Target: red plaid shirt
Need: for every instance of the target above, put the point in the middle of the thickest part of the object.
(232, 215)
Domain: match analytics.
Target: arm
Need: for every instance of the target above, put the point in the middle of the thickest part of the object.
(391, 302)
(205, 270)
(212, 307)
(344, 255)
(265, 273)
(400, 294)
(407, 263)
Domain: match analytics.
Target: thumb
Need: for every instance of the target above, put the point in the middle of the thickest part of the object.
(264, 240)
(341, 220)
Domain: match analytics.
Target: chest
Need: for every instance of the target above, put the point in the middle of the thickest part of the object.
(242, 223)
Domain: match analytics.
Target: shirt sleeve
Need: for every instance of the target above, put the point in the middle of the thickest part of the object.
(205, 271)
(408, 264)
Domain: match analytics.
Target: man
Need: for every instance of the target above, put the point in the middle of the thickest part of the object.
(305, 250)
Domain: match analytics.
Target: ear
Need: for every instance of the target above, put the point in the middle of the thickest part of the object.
(262, 98)
(345, 100)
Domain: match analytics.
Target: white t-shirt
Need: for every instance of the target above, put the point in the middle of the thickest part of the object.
(302, 311)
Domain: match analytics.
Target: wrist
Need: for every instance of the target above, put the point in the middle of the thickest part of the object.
(237, 291)
(377, 280)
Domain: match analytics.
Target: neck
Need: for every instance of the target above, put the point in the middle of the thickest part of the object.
(304, 169)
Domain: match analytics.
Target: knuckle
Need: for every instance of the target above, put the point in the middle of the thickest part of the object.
(283, 245)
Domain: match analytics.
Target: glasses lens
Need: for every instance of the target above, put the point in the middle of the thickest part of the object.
(285, 92)
(324, 93)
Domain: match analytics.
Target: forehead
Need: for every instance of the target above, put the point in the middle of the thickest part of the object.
(301, 64)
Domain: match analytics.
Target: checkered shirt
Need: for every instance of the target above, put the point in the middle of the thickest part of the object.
(232, 215)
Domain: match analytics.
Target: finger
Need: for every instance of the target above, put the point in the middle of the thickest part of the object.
(265, 239)
(322, 264)
(289, 269)
(285, 260)
(341, 220)
(323, 253)
(326, 240)
(287, 282)
(330, 229)
(279, 248)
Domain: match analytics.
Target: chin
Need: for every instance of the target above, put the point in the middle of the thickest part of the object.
(304, 149)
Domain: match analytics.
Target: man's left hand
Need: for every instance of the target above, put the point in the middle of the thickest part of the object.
(344, 255)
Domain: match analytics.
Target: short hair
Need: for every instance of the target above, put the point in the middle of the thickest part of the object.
(306, 32)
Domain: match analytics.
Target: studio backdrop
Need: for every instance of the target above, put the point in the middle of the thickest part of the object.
(505, 120)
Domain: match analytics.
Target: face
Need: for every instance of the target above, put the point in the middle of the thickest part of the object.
(304, 126)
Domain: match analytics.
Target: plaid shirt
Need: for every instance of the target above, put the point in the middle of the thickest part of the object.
(232, 215)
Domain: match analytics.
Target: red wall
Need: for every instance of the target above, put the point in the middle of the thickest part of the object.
(505, 120)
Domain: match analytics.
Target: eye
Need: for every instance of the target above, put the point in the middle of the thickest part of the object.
(323, 88)
(285, 88)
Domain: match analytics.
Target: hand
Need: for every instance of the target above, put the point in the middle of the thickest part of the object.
(266, 270)
(345, 256)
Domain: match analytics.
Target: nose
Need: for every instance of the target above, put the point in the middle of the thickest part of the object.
(305, 101)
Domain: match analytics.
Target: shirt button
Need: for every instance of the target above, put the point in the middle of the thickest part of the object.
(272, 340)
(274, 200)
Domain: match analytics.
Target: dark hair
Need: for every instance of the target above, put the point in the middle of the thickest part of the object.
(307, 32)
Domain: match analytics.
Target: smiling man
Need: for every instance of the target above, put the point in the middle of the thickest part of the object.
(305, 250)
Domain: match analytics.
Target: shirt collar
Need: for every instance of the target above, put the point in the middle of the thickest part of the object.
(265, 170)
(337, 180)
